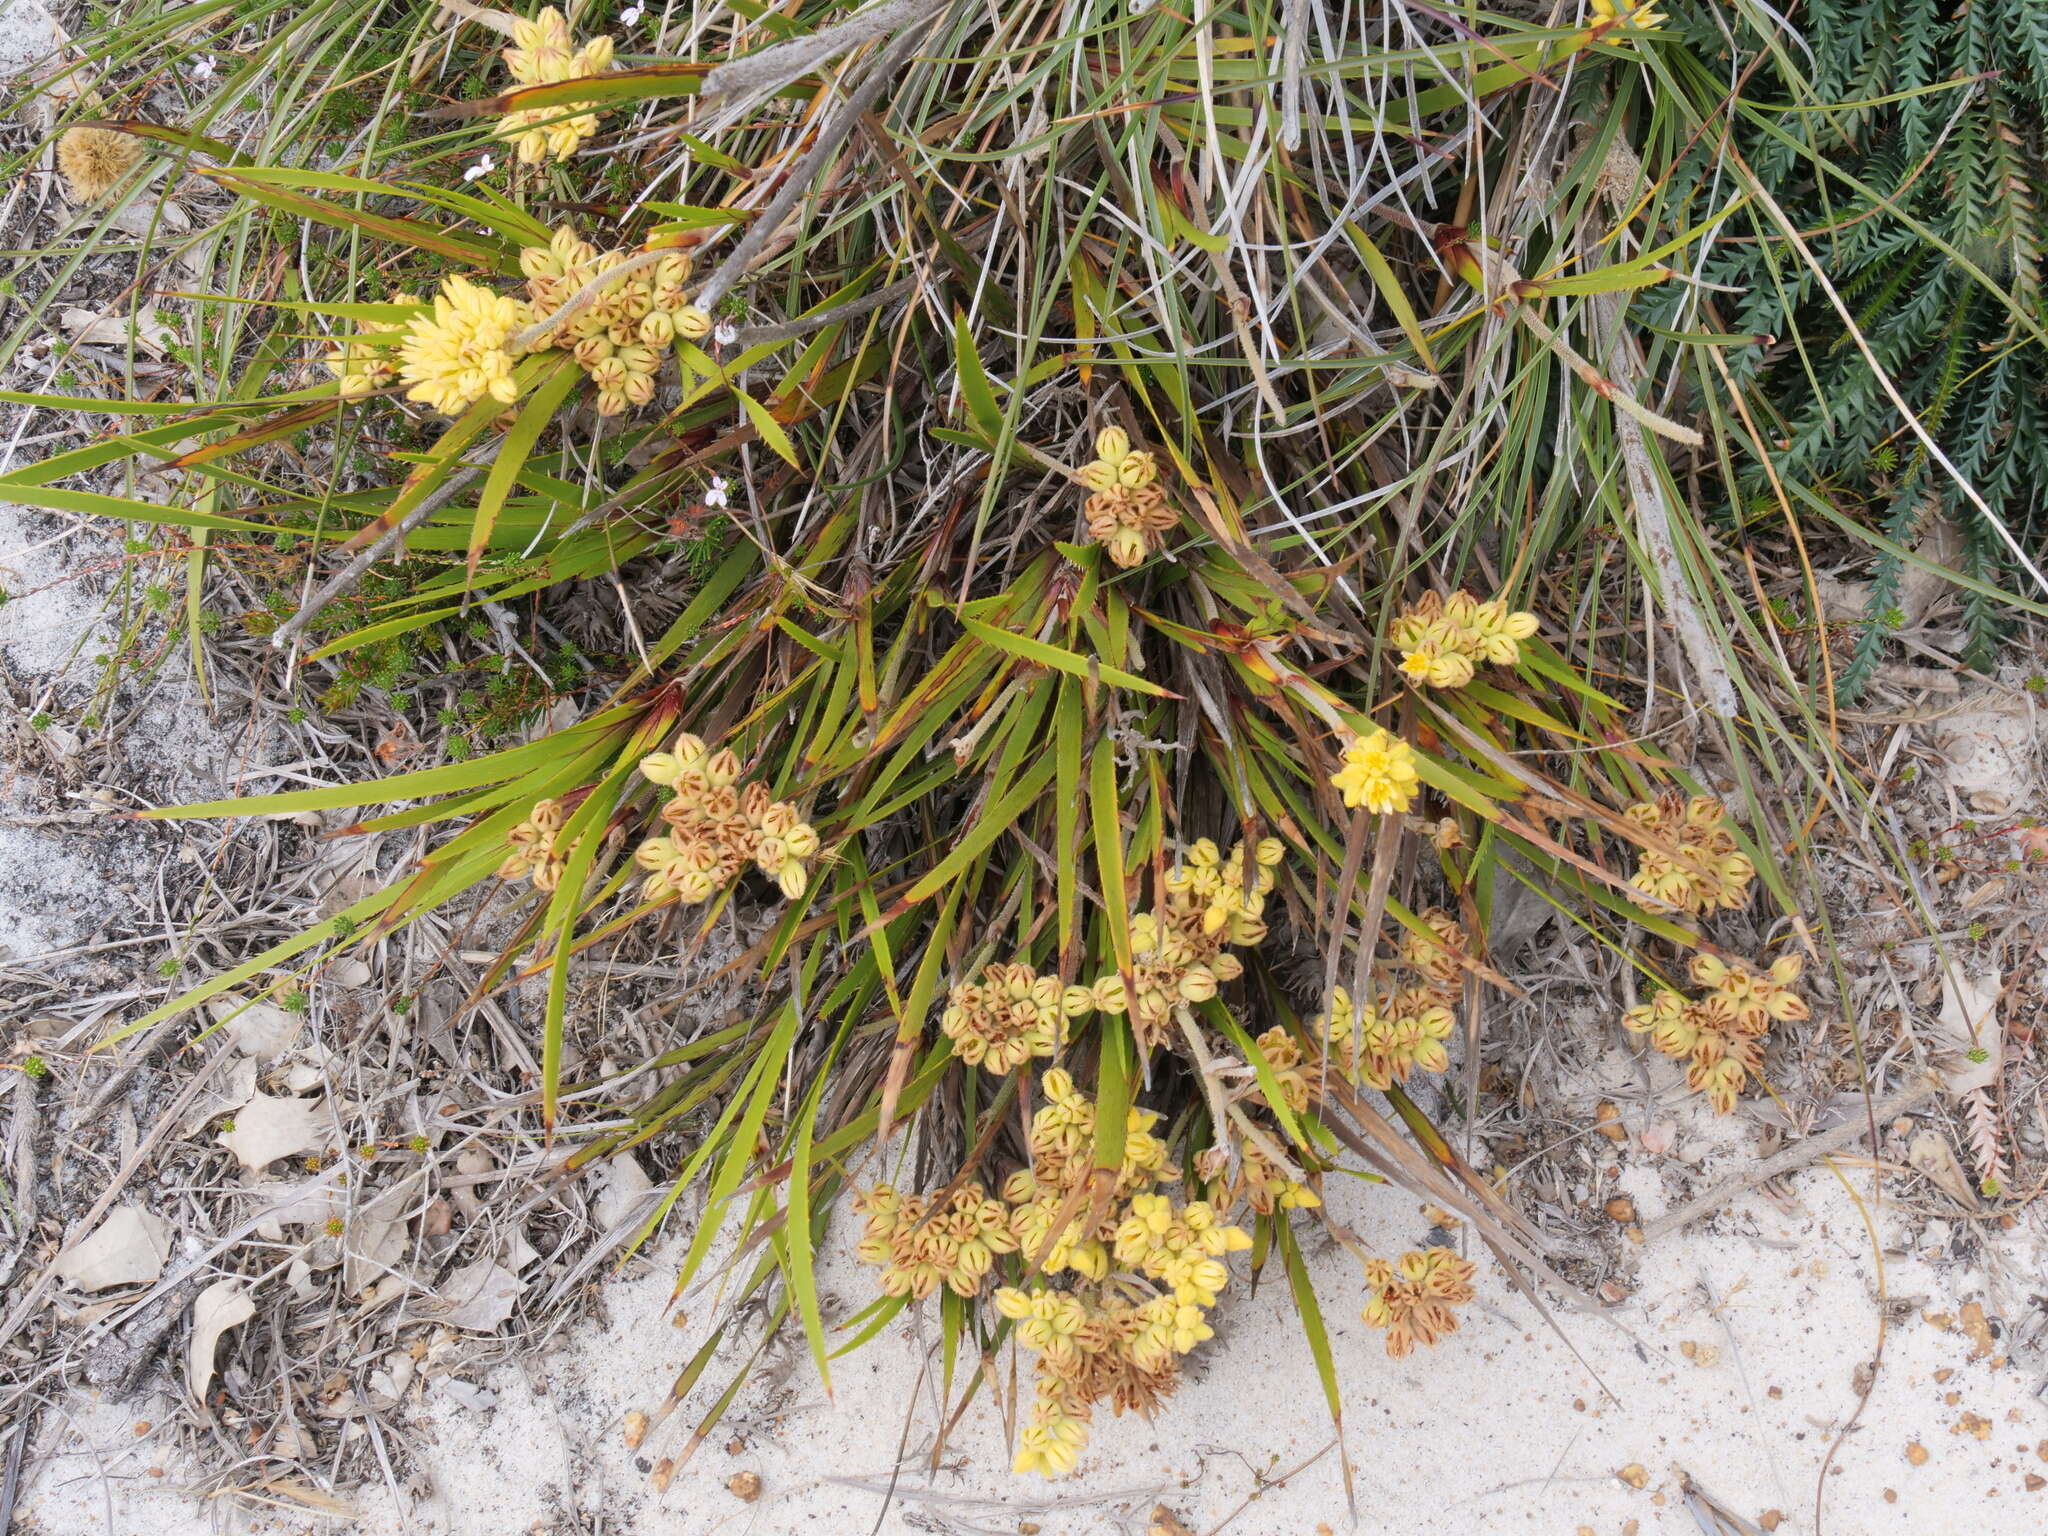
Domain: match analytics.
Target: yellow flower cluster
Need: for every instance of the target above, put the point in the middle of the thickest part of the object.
(465, 348)
(540, 55)
(1120, 1340)
(1624, 15)
(1127, 509)
(1009, 1015)
(1720, 1035)
(364, 366)
(1379, 773)
(1063, 1146)
(1413, 1296)
(1178, 952)
(461, 352)
(1285, 1056)
(919, 1252)
(1405, 1027)
(1709, 871)
(1400, 1032)
(1266, 1188)
(716, 826)
(919, 1249)
(620, 336)
(1141, 1281)
(535, 854)
(1443, 642)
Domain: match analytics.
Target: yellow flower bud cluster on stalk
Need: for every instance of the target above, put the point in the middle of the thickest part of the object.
(1444, 641)
(541, 55)
(620, 337)
(1120, 1340)
(1720, 1035)
(1009, 1015)
(1178, 951)
(1266, 1187)
(1709, 871)
(1413, 1296)
(919, 1249)
(364, 366)
(535, 852)
(716, 826)
(465, 346)
(1405, 1027)
(1113, 1307)
(1127, 508)
(1378, 773)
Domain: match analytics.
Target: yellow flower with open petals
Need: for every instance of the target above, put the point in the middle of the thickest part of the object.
(1378, 773)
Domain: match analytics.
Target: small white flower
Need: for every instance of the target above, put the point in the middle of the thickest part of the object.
(725, 333)
(629, 15)
(715, 493)
(202, 68)
(482, 168)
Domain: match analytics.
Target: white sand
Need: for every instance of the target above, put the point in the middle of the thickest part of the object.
(1499, 1429)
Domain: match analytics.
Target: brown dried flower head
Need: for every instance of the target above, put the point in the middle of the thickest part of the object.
(95, 160)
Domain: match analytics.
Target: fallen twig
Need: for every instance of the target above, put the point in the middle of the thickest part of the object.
(1798, 1155)
(351, 575)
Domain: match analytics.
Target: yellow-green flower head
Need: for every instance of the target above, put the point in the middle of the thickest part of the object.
(459, 354)
(1118, 466)
(1622, 15)
(361, 366)
(1379, 773)
(541, 55)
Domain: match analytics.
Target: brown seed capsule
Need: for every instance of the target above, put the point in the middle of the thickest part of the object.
(664, 1471)
(636, 1429)
(745, 1486)
(94, 160)
(1609, 1120)
(1621, 1209)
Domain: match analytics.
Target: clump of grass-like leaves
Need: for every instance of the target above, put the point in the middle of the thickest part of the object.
(1163, 508)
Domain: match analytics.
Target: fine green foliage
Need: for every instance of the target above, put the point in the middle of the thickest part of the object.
(1909, 161)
